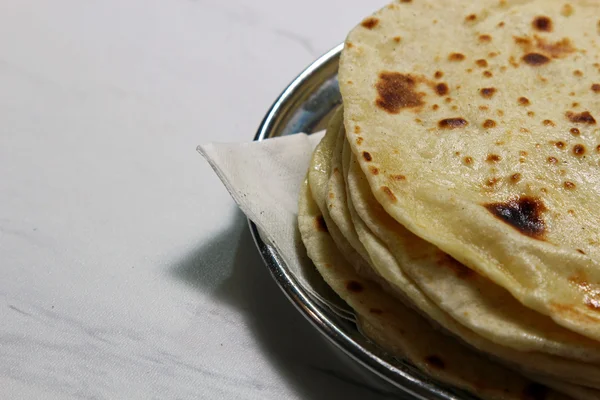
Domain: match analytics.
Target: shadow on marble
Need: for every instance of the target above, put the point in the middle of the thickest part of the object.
(311, 366)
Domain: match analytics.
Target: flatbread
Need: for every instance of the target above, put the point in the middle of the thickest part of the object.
(385, 269)
(402, 331)
(479, 118)
(385, 261)
(424, 271)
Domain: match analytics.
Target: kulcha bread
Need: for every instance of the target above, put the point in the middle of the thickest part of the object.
(399, 329)
(475, 126)
(386, 270)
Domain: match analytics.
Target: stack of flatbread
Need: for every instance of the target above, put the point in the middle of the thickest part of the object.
(454, 200)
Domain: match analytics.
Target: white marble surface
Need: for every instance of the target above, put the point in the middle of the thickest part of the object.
(126, 271)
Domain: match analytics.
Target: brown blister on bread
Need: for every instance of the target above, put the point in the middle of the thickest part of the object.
(388, 192)
(456, 57)
(370, 22)
(535, 59)
(579, 150)
(523, 213)
(581, 118)
(542, 23)
(489, 123)
(452, 123)
(396, 92)
(441, 89)
(487, 93)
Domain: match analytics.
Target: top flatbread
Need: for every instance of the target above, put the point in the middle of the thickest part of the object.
(475, 124)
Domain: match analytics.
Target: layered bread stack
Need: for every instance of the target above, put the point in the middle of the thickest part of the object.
(453, 201)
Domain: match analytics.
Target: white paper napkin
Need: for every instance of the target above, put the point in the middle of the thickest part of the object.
(264, 179)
